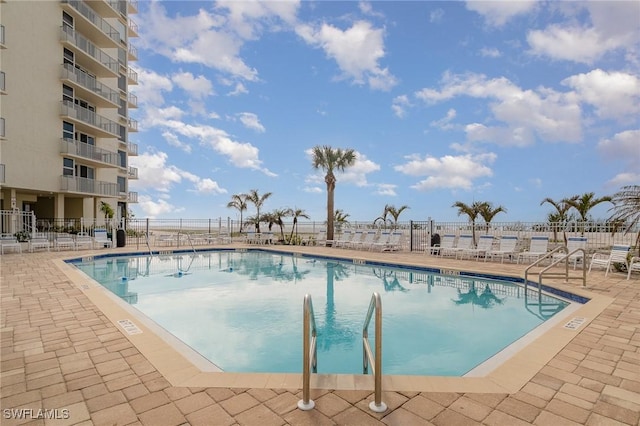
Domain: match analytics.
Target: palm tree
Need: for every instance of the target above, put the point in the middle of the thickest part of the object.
(472, 211)
(383, 217)
(257, 200)
(488, 212)
(626, 208)
(296, 213)
(585, 202)
(107, 210)
(239, 202)
(395, 213)
(340, 218)
(560, 217)
(330, 159)
(275, 217)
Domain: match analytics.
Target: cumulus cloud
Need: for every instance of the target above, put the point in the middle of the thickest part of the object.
(251, 121)
(490, 52)
(545, 113)
(436, 15)
(445, 122)
(450, 172)
(356, 174)
(400, 105)
(197, 87)
(625, 148)
(173, 140)
(498, 13)
(356, 50)
(151, 86)
(386, 189)
(156, 208)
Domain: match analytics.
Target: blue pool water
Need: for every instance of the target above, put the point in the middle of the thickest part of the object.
(242, 310)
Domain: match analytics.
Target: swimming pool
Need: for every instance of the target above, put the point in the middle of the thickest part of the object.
(243, 309)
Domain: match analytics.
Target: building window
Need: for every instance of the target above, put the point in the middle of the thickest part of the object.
(67, 130)
(122, 184)
(67, 93)
(88, 139)
(68, 56)
(122, 110)
(85, 172)
(67, 167)
(67, 20)
(123, 134)
(123, 158)
(122, 82)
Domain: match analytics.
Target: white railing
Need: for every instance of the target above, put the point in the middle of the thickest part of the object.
(87, 116)
(77, 39)
(90, 83)
(95, 19)
(88, 186)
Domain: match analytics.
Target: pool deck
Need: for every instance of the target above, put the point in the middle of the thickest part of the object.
(64, 355)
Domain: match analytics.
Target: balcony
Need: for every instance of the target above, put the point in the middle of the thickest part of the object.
(108, 8)
(89, 154)
(132, 6)
(102, 33)
(89, 56)
(3, 89)
(132, 76)
(90, 89)
(88, 120)
(88, 186)
(132, 149)
(132, 53)
(133, 28)
(132, 100)
(132, 172)
(132, 125)
(132, 197)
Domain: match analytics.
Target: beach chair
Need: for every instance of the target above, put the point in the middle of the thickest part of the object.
(84, 240)
(382, 241)
(618, 254)
(485, 243)
(343, 239)
(507, 247)
(321, 238)
(464, 243)
(573, 244)
(64, 241)
(9, 242)
(447, 242)
(368, 240)
(394, 243)
(356, 239)
(634, 265)
(101, 239)
(538, 247)
(39, 241)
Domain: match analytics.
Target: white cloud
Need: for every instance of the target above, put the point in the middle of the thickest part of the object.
(436, 15)
(576, 44)
(452, 172)
(251, 121)
(356, 174)
(174, 141)
(498, 13)
(313, 189)
(445, 122)
(197, 87)
(357, 51)
(615, 95)
(153, 209)
(552, 116)
(623, 148)
(490, 52)
(239, 89)
(151, 86)
(208, 186)
(386, 189)
(400, 105)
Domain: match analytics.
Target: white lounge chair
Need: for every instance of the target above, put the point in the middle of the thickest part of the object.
(507, 247)
(39, 241)
(343, 239)
(618, 254)
(320, 239)
(573, 244)
(538, 247)
(101, 239)
(63, 241)
(84, 240)
(394, 243)
(464, 243)
(485, 243)
(447, 242)
(634, 265)
(368, 240)
(356, 239)
(382, 241)
(9, 242)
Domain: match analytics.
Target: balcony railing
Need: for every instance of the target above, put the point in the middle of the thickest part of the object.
(132, 124)
(133, 6)
(133, 100)
(85, 10)
(89, 152)
(133, 173)
(133, 28)
(133, 52)
(69, 72)
(81, 42)
(132, 76)
(89, 117)
(132, 197)
(132, 148)
(88, 186)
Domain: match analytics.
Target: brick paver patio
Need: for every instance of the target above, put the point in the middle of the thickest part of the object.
(62, 357)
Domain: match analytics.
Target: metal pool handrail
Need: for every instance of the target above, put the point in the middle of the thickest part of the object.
(309, 352)
(564, 274)
(368, 357)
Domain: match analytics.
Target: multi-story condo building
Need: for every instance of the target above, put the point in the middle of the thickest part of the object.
(64, 107)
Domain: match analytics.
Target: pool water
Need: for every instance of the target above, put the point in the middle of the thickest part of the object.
(242, 310)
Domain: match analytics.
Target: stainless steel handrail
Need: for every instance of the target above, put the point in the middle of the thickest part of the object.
(553, 263)
(309, 352)
(368, 357)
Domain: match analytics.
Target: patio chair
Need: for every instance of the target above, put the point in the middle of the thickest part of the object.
(343, 239)
(573, 243)
(250, 237)
(356, 239)
(634, 265)
(63, 241)
(485, 243)
(382, 241)
(618, 254)
(83, 240)
(507, 247)
(9, 242)
(538, 247)
(368, 240)
(464, 243)
(446, 242)
(39, 241)
(101, 239)
(320, 239)
(394, 243)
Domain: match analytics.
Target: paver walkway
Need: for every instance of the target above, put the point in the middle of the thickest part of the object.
(61, 357)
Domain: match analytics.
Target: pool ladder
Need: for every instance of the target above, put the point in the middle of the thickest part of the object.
(564, 274)
(370, 359)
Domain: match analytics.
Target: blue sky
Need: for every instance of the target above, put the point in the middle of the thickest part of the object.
(506, 102)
